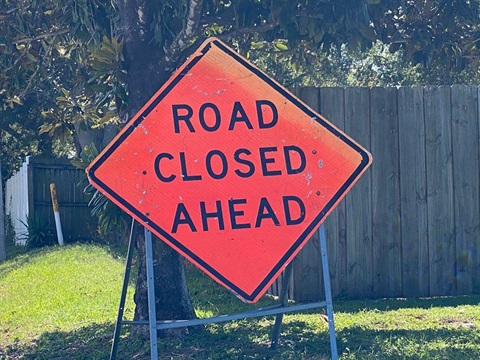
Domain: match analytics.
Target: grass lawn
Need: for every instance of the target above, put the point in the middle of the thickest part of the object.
(61, 303)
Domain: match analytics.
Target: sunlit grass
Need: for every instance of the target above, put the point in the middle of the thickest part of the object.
(61, 303)
(58, 290)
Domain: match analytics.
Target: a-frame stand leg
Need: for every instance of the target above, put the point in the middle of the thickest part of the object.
(152, 321)
(328, 297)
(328, 292)
(152, 314)
(283, 302)
(121, 307)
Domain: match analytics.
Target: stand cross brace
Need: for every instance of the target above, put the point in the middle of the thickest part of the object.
(277, 310)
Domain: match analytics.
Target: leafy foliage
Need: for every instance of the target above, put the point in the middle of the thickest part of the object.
(375, 67)
(35, 39)
(68, 56)
(434, 31)
(38, 58)
(40, 233)
(111, 220)
(91, 102)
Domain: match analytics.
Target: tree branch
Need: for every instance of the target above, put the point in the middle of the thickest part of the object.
(320, 16)
(229, 35)
(184, 37)
(32, 77)
(41, 36)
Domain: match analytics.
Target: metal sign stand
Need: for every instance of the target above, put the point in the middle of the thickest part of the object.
(277, 310)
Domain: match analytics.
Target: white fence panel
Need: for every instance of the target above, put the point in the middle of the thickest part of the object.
(16, 202)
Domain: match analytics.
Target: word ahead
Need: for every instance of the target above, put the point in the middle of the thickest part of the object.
(263, 212)
(229, 169)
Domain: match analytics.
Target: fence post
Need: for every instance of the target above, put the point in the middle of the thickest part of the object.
(58, 223)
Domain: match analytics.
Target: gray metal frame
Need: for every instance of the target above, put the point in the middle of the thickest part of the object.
(277, 310)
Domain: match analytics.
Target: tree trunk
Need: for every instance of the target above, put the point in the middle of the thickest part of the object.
(172, 297)
(172, 300)
(3, 254)
(145, 75)
(99, 137)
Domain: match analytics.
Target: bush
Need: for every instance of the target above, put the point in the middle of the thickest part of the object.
(40, 234)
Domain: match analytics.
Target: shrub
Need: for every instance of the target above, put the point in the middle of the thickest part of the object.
(39, 232)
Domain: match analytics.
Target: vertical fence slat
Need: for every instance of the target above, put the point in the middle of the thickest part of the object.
(358, 200)
(307, 267)
(17, 202)
(386, 195)
(77, 222)
(466, 183)
(412, 221)
(413, 192)
(476, 267)
(332, 107)
(440, 190)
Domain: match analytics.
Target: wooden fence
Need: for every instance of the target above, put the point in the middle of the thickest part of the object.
(410, 227)
(28, 193)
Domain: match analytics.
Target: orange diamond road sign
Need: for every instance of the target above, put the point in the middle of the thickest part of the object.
(229, 168)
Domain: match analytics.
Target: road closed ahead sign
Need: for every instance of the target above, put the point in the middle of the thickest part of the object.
(229, 168)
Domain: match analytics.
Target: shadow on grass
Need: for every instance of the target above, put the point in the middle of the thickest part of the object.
(250, 339)
(307, 342)
(360, 343)
(63, 345)
(235, 341)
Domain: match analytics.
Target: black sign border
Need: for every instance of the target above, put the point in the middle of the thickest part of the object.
(365, 162)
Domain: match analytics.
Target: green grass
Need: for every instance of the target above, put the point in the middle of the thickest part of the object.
(61, 303)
